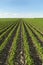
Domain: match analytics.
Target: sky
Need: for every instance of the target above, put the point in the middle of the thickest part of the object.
(21, 8)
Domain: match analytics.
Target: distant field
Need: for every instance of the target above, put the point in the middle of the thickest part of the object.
(21, 41)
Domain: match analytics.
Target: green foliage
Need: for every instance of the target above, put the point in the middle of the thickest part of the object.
(36, 43)
(37, 22)
(6, 40)
(28, 58)
(13, 49)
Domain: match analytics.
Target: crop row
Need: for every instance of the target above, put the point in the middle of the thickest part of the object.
(21, 44)
(5, 46)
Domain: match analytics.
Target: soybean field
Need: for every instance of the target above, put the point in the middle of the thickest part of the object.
(21, 41)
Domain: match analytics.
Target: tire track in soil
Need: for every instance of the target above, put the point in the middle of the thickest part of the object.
(19, 55)
(5, 52)
(33, 52)
(41, 42)
(4, 37)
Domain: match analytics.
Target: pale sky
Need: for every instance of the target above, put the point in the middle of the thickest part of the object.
(21, 8)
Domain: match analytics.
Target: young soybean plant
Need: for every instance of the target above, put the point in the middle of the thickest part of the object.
(11, 56)
(29, 60)
(36, 43)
